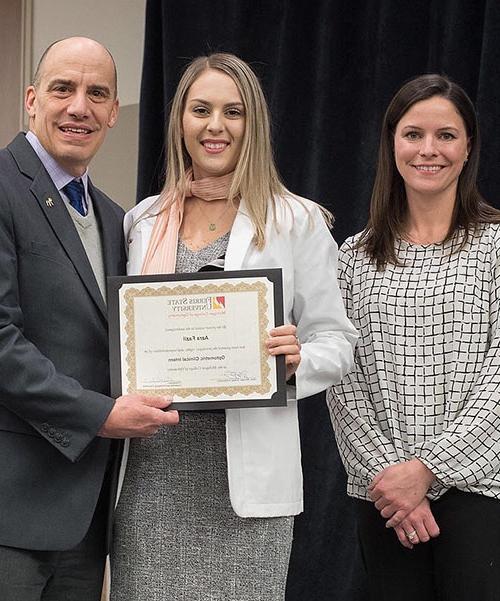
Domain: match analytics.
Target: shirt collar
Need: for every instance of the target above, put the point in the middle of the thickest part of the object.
(56, 173)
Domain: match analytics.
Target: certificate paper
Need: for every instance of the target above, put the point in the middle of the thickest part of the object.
(197, 337)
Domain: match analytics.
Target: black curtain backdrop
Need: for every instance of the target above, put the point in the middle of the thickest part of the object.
(329, 69)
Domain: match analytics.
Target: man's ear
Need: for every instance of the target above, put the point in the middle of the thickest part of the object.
(30, 101)
(113, 116)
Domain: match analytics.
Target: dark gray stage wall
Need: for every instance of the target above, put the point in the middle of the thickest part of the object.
(329, 69)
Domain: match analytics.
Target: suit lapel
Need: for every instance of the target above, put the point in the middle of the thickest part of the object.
(57, 215)
(64, 228)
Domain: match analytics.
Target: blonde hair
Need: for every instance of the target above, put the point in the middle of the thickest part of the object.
(255, 177)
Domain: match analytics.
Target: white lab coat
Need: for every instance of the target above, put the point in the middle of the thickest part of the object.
(263, 445)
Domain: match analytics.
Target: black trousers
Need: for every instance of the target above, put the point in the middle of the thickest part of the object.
(74, 575)
(461, 564)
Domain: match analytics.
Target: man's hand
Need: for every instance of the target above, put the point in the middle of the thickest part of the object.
(419, 526)
(399, 488)
(136, 415)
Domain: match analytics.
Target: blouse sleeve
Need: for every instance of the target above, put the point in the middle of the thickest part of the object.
(468, 449)
(362, 445)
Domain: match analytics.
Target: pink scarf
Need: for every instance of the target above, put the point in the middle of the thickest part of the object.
(161, 255)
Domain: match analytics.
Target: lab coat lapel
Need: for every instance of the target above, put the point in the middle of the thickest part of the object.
(240, 241)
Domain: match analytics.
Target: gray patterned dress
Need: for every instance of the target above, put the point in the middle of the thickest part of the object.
(176, 535)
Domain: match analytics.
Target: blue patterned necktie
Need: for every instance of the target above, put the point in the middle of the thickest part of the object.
(75, 192)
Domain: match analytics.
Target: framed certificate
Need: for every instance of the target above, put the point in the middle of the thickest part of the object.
(199, 337)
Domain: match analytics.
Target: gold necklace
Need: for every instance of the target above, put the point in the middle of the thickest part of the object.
(212, 223)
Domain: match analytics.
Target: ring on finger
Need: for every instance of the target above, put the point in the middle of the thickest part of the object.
(411, 535)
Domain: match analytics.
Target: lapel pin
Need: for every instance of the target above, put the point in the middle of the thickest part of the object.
(49, 202)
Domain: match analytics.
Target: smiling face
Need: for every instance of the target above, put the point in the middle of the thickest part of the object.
(213, 124)
(430, 147)
(73, 102)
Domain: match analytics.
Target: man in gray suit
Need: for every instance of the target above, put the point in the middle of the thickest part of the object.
(59, 238)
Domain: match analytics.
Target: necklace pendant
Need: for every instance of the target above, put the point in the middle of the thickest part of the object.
(211, 227)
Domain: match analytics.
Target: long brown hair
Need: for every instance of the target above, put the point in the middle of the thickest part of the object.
(388, 207)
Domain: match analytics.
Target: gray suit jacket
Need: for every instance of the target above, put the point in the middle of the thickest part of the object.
(54, 372)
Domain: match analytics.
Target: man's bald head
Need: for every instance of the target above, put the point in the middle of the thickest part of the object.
(83, 41)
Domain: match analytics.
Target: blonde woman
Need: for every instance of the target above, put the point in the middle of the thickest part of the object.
(207, 507)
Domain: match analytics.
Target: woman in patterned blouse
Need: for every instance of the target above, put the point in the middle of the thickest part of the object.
(418, 421)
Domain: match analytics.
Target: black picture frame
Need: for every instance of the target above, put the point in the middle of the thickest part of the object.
(114, 285)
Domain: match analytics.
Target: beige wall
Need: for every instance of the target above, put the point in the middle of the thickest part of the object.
(11, 68)
(119, 25)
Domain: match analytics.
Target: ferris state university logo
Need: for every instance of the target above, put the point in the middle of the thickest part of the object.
(218, 302)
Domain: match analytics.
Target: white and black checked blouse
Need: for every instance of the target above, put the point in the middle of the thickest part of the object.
(427, 376)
